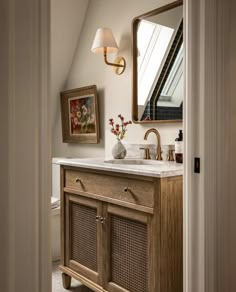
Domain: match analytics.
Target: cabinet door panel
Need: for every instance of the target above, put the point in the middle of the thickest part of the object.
(128, 250)
(82, 236)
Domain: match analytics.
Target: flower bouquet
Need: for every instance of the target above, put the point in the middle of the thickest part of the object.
(119, 130)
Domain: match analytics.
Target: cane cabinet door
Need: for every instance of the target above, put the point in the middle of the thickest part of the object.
(127, 252)
(83, 237)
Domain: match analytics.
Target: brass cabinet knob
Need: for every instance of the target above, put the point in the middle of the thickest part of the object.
(97, 218)
(103, 220)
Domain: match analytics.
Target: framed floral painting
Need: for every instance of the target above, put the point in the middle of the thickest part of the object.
(79, 111)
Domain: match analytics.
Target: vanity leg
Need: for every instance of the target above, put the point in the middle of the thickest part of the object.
(66, 281)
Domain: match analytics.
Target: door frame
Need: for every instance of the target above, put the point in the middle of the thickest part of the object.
(28, 143)
(202, 201)
(200, 128)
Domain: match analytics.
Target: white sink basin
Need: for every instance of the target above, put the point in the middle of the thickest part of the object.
(136, 162)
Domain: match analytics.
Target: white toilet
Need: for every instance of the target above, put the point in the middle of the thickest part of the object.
(55, 210)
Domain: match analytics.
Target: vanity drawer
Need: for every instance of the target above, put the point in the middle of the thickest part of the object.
(130, 190)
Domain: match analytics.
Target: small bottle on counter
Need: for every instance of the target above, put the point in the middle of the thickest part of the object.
(179, 148)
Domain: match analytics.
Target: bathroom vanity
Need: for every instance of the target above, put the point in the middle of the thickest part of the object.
(122, 225)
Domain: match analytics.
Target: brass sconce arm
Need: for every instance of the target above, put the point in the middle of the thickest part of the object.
(109, 63)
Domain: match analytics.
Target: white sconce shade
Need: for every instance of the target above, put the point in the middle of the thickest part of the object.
(104, 43)
(104, 39)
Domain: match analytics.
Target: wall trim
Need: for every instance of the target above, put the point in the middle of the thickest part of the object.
(45, 258)
(200, 141)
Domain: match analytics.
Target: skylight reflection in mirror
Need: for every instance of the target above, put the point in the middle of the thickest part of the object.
(152, 43)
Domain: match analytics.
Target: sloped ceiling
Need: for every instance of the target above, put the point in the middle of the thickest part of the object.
(67, 18)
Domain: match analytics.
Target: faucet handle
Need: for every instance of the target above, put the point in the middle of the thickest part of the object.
(146, 152)
(170, 156)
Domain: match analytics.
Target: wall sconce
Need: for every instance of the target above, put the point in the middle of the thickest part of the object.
(104, 43)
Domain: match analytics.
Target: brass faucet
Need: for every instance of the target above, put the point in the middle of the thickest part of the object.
(152, 130)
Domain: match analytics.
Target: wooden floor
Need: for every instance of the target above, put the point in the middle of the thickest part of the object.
(76, 286)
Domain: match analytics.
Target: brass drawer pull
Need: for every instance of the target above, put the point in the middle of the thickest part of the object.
(77, 180)
(127, 189)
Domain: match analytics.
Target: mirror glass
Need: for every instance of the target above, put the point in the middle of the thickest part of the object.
(158, 81)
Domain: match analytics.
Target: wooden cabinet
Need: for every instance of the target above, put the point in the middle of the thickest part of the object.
(121, 232)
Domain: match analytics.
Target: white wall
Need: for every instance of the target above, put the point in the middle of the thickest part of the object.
(67, 19)
(114, 91)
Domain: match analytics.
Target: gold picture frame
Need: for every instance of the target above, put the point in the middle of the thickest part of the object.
(79, 115)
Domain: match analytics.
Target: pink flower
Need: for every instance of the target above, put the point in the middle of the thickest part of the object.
(121, 117)
(119, 130)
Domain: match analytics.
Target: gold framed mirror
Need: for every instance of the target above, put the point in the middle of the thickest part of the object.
(158, 80)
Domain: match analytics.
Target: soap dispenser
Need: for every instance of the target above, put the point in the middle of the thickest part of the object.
(179, 148)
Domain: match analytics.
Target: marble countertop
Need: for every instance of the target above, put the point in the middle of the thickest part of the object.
(150, 168)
